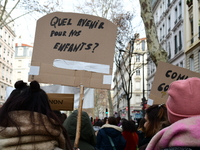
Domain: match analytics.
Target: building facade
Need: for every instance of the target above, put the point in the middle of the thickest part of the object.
(169, 19)
(134, 76)
(192, 30)
(22, 61)
(7, 44)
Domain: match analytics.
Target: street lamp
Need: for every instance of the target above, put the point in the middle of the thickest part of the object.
(143, 91)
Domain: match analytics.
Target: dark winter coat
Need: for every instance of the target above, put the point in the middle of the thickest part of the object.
(87, 139)
(115, 132)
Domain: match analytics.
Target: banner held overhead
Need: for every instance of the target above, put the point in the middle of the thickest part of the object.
(73, 49)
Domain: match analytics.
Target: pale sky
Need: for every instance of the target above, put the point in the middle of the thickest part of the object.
(25, 26)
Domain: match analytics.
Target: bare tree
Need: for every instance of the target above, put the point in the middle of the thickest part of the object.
(156, 52)
(114, 11)
(8, 7)
(126, 67)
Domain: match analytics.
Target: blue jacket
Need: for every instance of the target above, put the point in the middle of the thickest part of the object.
(103, 142)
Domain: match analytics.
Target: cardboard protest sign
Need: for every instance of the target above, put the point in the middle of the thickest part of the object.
(73, 49)
(61, 101)
(59, 89)
(165, 74)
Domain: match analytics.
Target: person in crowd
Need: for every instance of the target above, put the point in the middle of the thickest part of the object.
(87, 140)
(60, 115)
(110, 136)
(120, 123)
(27, 121)
(118, 120)
(105, 119)
(64, 116)
(141, 131)
(184, 116)
(155, 120)
(130, 134)
(97, 126)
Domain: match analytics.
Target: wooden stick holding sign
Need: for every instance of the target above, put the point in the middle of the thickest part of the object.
(78, 126)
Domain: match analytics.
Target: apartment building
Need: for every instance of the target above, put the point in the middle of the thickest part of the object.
(192, 32)
(169, 19)
(137, 60)
(7, 44)
(22, 61)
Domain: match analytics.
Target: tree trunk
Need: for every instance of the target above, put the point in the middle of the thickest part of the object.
(157, 53)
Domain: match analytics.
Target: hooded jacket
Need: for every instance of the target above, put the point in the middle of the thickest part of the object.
(183, 133)
(87, 139)
(33, 136)
(115, 132)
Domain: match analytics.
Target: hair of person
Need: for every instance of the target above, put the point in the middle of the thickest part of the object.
(141, 125)
(19, 87)
(129, 125)
(98, 123)
(118, 119)
(105, 119)
(157, 116)
(112, 120)
(32, 99)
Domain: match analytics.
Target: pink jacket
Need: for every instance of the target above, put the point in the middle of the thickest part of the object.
(185, 132)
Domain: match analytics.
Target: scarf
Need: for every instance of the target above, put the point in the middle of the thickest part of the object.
(33, 134)
(185, 132)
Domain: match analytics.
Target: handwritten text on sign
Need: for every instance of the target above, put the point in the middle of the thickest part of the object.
(71, 47)
(166, 74)
(62, 40)
(163, 87)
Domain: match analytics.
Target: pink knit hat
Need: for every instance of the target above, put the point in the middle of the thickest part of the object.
(184, 99)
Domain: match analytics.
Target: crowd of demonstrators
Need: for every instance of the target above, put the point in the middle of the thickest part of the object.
(184, 116)
(87, 139)
(155, 120)
(110, 136)
(130, 134)
(27, 121)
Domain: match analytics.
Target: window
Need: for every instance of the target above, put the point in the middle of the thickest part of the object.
(137, 85)
(192, 62)
(180, 10)
(137, 72)
(180, 41)
(176, 16)
(20, 51)
(160, 34)
(191, 29)
(143, 45)
(137, 58)
(163, 34)
(169, 24)
(181, 64)
(175, 44)
(168, 3)
(161, 9)
(169, 50)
